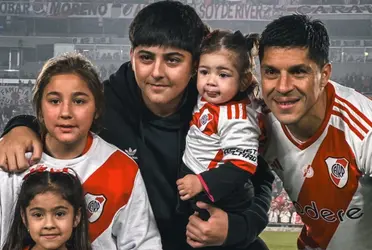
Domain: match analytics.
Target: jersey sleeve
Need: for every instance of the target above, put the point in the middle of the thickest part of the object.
(9, 188)
(363, 113)
(135, 226)
(365, 156)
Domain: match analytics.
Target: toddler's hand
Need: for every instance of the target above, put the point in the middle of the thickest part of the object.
(189, 186)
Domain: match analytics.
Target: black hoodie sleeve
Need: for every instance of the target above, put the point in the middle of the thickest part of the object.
(22, 120)
(255, 218)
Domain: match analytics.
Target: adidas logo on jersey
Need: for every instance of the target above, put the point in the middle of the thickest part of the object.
(132, 153)
(308, 171)
(326, 214)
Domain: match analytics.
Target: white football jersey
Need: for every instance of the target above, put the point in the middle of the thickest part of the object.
(119, 211)
(220, 133)
(328, 177)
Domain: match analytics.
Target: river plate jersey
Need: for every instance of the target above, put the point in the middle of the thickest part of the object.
(119, 212)
(328, 177)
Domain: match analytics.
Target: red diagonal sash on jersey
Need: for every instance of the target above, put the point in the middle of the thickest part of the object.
(321, 192)
(113, 181)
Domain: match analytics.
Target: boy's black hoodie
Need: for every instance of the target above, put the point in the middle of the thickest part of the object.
(152, 142)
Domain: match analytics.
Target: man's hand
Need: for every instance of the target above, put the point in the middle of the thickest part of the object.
(189, 186)
(213, 232)
(13, 147)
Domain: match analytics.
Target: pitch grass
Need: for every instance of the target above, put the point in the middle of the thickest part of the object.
(280, 240)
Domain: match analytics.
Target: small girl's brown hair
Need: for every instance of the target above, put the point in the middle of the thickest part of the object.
(244, 49)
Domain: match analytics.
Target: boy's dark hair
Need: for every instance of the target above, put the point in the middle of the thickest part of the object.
(69, 63)
(168, 24)
(241, 46)
(297, 31)
(65, 184)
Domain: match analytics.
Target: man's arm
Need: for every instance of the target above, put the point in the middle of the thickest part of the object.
(22, 120)
(234, 230)
(255, 218)
(21, 135)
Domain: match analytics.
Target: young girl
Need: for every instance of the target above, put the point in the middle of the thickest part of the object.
(50, 213)
(222, 142)
(68, 100)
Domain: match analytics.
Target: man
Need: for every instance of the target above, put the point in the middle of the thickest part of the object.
(149, 103)
(319, 136)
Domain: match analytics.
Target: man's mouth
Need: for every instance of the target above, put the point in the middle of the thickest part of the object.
(286, 103)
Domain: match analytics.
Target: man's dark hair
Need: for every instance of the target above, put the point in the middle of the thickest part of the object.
(168, 24)
(297, 31)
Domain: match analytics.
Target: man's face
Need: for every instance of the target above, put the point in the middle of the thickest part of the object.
(291, 83)
(162, 73)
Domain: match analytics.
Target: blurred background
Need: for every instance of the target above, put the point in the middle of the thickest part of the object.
(32, 31)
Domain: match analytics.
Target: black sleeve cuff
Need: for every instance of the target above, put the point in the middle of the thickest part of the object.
(22, 120)
(237, 231)
(243, 230)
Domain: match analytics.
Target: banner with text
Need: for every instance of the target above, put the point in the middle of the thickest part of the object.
(15, 95)
(224, 11)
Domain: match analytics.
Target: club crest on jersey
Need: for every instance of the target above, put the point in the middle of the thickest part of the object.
(338, 169)
(95, 204)
(204, 119)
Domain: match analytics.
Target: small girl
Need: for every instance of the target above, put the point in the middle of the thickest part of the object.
(50, 213)
(222, 142)
(68, 100)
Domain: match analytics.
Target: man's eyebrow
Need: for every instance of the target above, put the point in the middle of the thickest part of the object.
(266, 66)
(290, 69)
(300, 66)
(145, 52)
(174, 54)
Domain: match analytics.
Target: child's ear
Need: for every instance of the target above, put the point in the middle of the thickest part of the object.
(246, 81)
(77, 218)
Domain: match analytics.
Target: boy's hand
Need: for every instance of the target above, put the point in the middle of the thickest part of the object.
(13, 147)
(189, 186)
